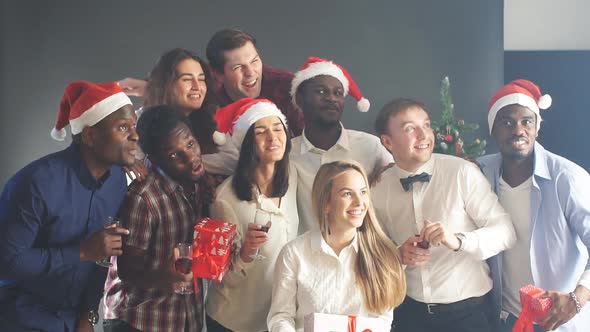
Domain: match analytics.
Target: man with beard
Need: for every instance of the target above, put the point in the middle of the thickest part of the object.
(445, 218)
(548, 199)
(54, 213)
(319, 89)
(160, 212)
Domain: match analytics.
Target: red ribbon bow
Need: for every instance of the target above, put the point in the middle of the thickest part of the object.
(352, 325)
(533, 307)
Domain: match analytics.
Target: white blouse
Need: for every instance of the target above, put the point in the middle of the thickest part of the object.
(242, 301)
(310, 277)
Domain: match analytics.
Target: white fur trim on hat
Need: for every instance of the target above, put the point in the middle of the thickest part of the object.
(58, 135)
(317, 69)
(511, 99)
(219, 138)
(256, 112)
(363, 105)
(544, 102)
(99, 111)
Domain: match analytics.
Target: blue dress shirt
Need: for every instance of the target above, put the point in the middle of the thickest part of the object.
(46, 210)
(560, 228)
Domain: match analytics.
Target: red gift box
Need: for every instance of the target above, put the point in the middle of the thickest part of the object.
(533, 307)
(212, 248)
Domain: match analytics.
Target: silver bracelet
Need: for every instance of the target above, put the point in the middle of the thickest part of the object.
(576, 302)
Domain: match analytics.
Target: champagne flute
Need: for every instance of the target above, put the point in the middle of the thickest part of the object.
(183, 265)
(110, 222)
(262, 218)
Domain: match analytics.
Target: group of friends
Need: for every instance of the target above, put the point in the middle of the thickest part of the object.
(363, 225)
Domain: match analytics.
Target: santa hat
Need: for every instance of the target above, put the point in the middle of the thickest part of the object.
(317, 66)
(236, 118)
(85, 104)
(521, 92)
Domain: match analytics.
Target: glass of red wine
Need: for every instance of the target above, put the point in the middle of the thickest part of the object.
(262, 218)
(110, 222)
(183, 265)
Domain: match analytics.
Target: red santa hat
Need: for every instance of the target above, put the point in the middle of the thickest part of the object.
(236, 118)
(85, 104)
(315, 66)
(521, 92)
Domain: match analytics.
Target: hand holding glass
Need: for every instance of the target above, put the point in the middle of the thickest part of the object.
(110, 222)
(262, 218)
(183, 264)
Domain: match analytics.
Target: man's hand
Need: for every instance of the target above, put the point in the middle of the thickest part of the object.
(83, 325)
(137, 171)
(102, 244)
(133, 86)
(562, 310)
(254, 239)
(413, 255)
(437, 234)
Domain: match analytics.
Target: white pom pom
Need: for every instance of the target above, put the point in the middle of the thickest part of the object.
(544, 102)
(363, 105)
(58, 135)
(219, 138)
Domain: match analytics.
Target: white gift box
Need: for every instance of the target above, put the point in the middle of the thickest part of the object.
(317, 322)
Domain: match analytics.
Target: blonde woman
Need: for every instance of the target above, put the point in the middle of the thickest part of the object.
(347, 267)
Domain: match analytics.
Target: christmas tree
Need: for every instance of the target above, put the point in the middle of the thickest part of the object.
(449, 132)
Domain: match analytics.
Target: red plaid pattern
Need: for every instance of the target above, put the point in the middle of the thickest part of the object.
(158, 215)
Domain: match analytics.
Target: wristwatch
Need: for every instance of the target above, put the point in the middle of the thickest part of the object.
(461, 238)
(93, 317)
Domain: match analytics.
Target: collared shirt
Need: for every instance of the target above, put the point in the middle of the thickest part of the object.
(158, 214)
(311, 278)
(46, 210)
(276, 87)
(242, 301)
(352, 145)
(560, 227)
(459, 197)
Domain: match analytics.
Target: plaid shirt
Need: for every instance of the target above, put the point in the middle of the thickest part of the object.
(158, 215)
(276, 87)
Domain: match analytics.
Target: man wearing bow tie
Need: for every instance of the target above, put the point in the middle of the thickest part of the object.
(442, 212)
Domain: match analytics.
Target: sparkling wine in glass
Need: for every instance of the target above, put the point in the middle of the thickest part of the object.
(262, 218)
(183, 265)
(110, 222)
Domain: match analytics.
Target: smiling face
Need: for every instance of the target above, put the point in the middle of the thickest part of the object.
(348, 203)
(409, 138)
(321, 99)
(180, 155)
(515, 131)
(270, 139)
(189, 87)
(242, 72)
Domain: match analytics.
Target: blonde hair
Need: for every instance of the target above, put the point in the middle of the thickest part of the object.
(378, 268)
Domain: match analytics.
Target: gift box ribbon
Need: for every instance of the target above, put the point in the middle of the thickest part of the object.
(352, 325)
(533, 307)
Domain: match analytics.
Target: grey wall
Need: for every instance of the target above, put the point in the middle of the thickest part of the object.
(392, 48)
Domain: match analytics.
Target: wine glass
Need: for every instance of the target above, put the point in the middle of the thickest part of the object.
(262, 218)
(183, 264)
(110, 222)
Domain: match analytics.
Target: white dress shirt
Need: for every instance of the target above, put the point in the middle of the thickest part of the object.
(459, 196)
(242, 301)
(310, 277)
(352, 145)
(517, 270)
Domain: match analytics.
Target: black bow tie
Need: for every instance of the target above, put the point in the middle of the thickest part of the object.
(408, 182)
